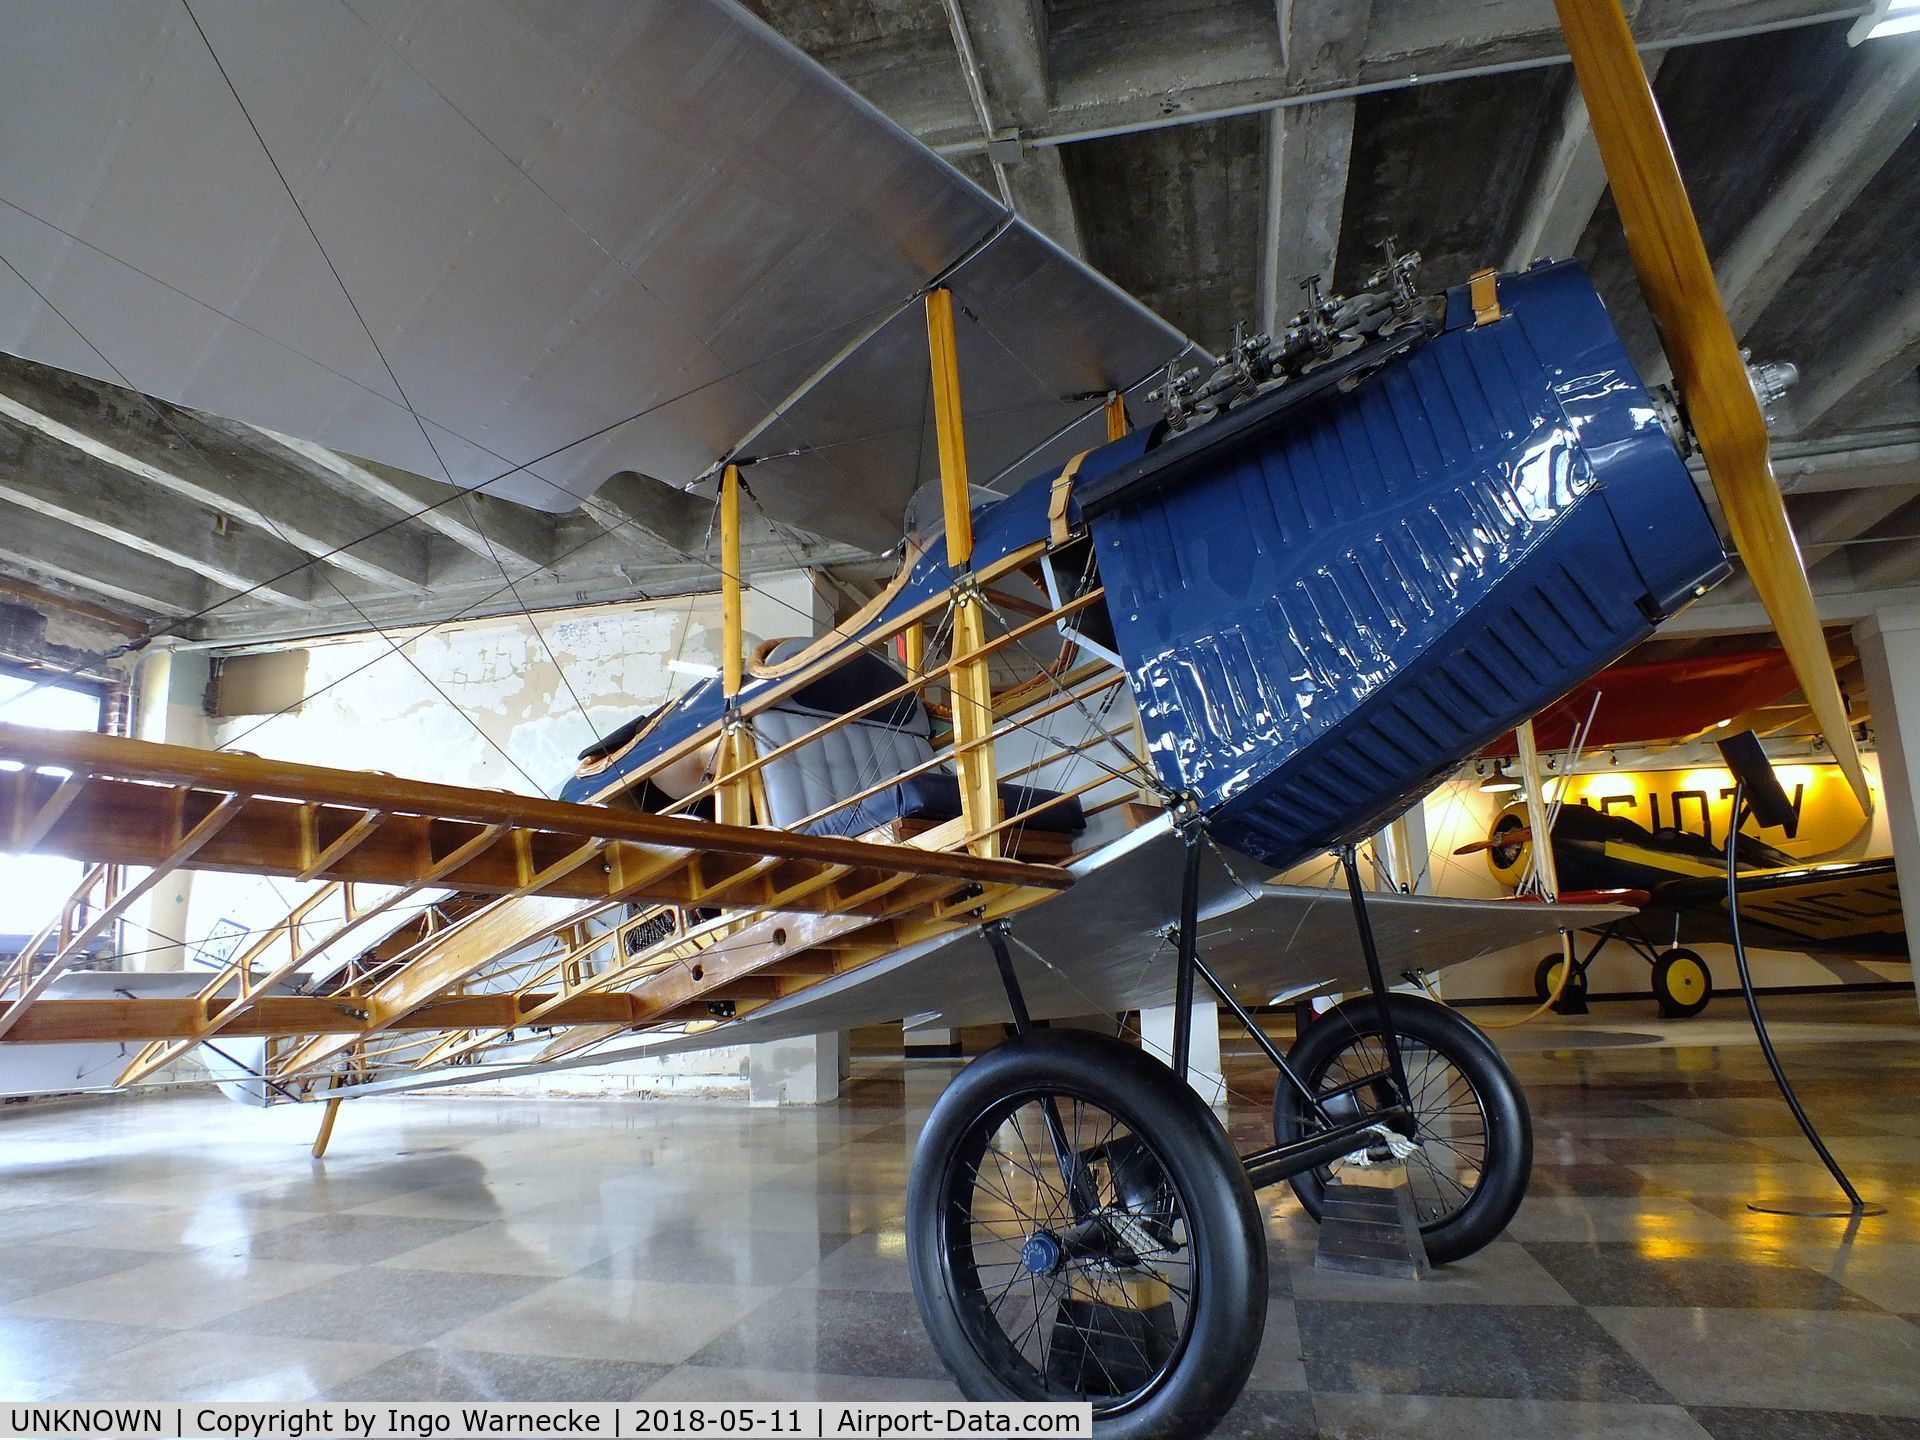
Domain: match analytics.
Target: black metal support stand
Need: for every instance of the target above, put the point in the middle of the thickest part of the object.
(1856, 1206)
(996, 933)
(1261, 1039)
(1275, 1163)
(1370, 952)
(1189, 948)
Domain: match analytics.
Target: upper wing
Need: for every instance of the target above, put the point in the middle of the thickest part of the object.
(542, 239)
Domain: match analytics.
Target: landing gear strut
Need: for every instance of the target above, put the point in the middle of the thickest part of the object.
(1080, 1228)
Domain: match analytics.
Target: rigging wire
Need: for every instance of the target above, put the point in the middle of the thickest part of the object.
(400, 390)
(1135, 765)
(273, 525)
(469, 611)
(1001, 224)
(597, 506)
(587, 502)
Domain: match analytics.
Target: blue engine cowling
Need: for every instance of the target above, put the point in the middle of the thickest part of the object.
(1322, 618)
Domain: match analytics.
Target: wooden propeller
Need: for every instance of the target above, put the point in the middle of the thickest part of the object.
(1677, 281)
(1505, 840)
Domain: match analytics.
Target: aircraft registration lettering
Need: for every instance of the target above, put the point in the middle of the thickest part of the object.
(1699, 802)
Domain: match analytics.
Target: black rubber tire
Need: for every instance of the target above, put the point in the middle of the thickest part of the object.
(1545, 973)
(1675, 988)
(1500, 1183)
(1226, 1241)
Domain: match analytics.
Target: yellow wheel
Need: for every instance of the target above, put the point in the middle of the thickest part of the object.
(1546, 979)
(1682, 983)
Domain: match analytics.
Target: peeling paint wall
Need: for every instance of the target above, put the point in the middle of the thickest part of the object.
(498, 703)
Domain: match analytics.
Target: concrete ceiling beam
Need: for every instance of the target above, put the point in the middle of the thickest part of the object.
(175, 450)
(1220, 62)
(1862, 129)
(1868, 463)
(1836, 518)
(1889, 566)
(482, 524)
(598, 574)
(1309, 150)
(1862, 364)
(1566, 185)
(56, 482)
(659, 515)
(34, 543)
(649, 522)
(1043, 197)
(1838, 602)
(1007, 39)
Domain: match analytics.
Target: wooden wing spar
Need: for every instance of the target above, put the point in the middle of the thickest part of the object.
(127, 803)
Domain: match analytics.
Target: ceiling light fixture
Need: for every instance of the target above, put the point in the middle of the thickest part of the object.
(1887, 17)
(1499, 782)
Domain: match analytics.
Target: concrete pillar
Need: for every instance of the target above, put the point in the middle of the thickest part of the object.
(788, 602)
(1419, 848)
(1203, 1062)
(802, 1071)
(169, 706)
(1889, 645)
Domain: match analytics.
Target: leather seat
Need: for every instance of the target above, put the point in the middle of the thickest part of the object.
(861, 753)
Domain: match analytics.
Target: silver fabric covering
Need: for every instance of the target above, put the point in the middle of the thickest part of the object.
(629, 233)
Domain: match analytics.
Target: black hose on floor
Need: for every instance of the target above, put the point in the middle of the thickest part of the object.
(1859, 1206)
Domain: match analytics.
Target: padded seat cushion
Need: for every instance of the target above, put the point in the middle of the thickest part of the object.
(935, 796)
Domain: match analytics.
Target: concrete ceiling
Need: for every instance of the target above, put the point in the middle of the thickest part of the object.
(1209, 154)
(213, 530)
(1205, 154)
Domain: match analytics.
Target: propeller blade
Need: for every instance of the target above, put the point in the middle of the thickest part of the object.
(1508, 839)
(1677, 280)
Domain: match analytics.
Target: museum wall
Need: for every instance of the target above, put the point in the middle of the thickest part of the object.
(487, 703)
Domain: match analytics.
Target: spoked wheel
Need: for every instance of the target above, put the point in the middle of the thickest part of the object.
(1081, 1229)
(1682, 983)
(1470, 1119)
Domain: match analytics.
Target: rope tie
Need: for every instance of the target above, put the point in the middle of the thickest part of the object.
(1398, 1146)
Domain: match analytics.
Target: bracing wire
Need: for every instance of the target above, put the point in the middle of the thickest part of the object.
(612, 517)
(159, 630)
(188, 440)
(400, 390)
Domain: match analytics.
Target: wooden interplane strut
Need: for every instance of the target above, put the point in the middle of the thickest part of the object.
(50, 1022)
(970, 682)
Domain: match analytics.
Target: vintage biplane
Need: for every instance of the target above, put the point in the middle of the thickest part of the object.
(527, 247)
(1675, 881)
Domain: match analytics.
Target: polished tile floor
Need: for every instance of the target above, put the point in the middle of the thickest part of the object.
(455, 1247)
